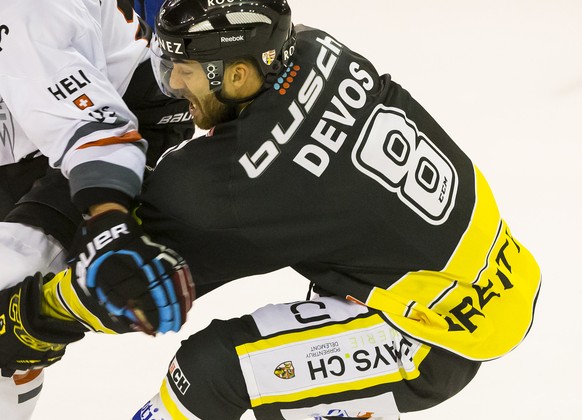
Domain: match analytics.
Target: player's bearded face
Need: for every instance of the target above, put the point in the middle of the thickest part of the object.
(207, 111)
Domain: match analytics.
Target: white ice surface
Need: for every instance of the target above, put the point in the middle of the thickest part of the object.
(504, 78)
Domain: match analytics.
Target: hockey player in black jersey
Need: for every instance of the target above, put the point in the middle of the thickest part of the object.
(316, 161)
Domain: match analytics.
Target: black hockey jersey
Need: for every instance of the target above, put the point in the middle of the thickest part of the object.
(340, 174)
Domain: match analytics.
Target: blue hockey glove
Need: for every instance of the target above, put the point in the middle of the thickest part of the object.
(127, 281)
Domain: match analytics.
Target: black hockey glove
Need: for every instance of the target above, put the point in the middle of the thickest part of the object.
(27, 338)
(127, 281)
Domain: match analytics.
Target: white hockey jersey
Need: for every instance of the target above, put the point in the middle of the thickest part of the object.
(64, 66)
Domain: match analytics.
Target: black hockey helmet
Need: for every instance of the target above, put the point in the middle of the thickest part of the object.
(213, 32)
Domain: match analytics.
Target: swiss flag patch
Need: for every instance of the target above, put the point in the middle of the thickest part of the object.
(83, 102)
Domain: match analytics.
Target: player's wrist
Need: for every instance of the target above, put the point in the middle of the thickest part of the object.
(101, 208)
(90, 198)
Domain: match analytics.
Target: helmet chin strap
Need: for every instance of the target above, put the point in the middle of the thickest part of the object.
(232, 101)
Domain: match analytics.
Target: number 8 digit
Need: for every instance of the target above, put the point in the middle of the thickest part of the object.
(394, 153)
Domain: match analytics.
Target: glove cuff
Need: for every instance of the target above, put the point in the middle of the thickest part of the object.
(64, 299)
(45, 328)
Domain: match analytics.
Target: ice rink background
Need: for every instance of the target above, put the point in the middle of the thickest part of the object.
(504, 79)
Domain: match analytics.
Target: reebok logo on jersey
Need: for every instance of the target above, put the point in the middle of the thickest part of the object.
(178, 377)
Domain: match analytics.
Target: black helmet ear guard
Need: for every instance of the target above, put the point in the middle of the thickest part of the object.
(214, 32)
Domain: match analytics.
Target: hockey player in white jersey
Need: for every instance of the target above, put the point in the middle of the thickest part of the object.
(74, 81)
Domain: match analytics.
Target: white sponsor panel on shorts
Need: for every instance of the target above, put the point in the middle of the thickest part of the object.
(360, 353)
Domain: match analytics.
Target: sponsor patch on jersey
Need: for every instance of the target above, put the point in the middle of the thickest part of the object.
(329, 358)
(178, 377)
(269, 57)
(69, 85)
(285, 81)
(83, 102)
(285, 370)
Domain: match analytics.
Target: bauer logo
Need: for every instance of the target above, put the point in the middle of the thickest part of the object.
(175, 118)
(178, 378)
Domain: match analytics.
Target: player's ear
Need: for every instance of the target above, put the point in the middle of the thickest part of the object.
(242, 79)
(239, 73)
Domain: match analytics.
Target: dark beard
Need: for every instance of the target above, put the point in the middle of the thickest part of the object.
(216, 112)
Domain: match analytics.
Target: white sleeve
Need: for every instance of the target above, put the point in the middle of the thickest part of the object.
(24, 251)
(60, 78)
